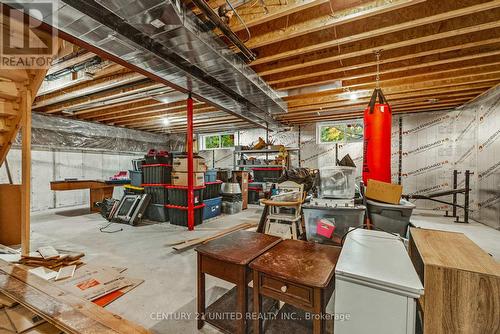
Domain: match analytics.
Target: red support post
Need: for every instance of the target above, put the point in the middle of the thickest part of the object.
(189, 142)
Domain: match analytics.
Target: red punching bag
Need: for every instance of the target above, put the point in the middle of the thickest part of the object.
(377, 139)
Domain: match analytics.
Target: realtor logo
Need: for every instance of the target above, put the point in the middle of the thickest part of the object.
(23, 44)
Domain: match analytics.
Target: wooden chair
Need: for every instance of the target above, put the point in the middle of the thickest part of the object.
(285, 224)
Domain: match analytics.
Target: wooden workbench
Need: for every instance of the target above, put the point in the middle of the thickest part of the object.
(99, 190)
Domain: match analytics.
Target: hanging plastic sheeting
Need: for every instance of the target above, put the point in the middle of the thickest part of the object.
(64, 133)
(377, 139)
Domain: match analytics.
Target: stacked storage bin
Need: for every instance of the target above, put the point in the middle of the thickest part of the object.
(212, 196)
(157, 175)
(267, 174)
(254, 192)
(178, 194)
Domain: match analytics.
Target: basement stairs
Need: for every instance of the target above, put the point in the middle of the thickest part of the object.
(18, 88)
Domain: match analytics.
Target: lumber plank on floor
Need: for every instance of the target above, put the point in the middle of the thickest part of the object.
(64, 310)
(198, 241)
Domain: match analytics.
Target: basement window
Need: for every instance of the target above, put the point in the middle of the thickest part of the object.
(339, 132)
(216, 141)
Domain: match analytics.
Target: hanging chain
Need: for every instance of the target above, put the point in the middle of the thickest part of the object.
(377, 78)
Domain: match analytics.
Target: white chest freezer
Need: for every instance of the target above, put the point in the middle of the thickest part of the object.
(376, 285)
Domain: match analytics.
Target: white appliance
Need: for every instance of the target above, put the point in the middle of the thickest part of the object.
(376, 285)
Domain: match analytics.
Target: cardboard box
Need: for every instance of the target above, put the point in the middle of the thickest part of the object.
(181, 165)
(181, 179)
(384, 192)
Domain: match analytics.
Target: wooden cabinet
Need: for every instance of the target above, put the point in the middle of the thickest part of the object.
(10, 214)
(461, 283)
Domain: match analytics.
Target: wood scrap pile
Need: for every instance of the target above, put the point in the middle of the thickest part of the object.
(15, 318)
(48, 302)
(51, 258)
(99, 284)
(185, 244)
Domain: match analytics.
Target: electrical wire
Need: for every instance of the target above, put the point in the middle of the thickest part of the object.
(241, 20)
(102, 229)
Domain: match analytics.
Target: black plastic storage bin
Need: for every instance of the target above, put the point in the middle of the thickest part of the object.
(177, 195)
(159, 194)
(156, 174)
(158, 157)
(267, 174)
(178, 215)
(157, 213)
(212, 189)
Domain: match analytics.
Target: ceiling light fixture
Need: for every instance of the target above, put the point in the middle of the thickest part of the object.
(353, 96)
(166, 121)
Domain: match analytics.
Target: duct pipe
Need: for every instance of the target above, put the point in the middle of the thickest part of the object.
(212, 16)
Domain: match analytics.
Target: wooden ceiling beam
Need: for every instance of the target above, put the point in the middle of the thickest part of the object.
(443, 66)
(394, 102)
(393, 93)
(359, 113)
(88, 87)
(196, 122)
(370, 46)
(328, 21)
(255, 15)
(404, 80)
(328, 96)
(159, 113)
(454, 45)
(148, 110)
(136, 120)
(419, 16)
(393, 99)
(89, 113)
(107, 97)
(241, 124)
(75, 59)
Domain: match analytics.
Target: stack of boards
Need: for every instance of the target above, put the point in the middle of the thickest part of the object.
(15, 318)
(51, 258)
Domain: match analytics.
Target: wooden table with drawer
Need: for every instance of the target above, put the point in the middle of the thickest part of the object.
(227, 258)
(298, 273)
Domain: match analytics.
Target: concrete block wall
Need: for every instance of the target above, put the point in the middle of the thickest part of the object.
(50, 165)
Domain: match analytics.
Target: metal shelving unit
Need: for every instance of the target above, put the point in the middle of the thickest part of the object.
(239, 154)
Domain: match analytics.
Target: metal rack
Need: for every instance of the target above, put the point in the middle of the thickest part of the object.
(239, 154)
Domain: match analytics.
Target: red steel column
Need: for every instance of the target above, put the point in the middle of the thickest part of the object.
(189, 142)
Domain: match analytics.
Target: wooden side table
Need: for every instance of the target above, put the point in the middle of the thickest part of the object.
(298, 273)
(227, 258)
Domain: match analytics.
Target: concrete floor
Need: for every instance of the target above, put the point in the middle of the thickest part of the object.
(166, 301)
(169, 290)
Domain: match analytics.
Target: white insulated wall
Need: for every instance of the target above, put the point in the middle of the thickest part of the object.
(433, 145)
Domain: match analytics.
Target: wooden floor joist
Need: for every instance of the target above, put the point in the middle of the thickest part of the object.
(429, 49)
(68, 312)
